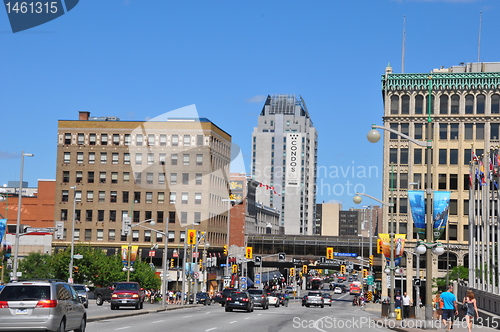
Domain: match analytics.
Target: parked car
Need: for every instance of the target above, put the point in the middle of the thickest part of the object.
(201, 298)
(337, 290)
(239, 300)
(273, 300)
(327, 299)
(127, 294)
(260, 298)
(82, 291)
(225, 294)
(41, 305)
(283, 298)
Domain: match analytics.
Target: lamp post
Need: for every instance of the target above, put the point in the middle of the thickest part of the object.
(228, 200)
(4, 197)
(417, 286)
(374, 136)
(129, 268)
(18, 224)
(357, 200)
(72, 251)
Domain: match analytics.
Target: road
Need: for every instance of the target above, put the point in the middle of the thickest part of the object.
(340, 316)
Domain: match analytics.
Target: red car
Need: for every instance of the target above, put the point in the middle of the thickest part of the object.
(127, 294)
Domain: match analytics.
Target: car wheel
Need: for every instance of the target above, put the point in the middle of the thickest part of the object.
(322, 306)
(83, 325)
(113, 307)
(142, 305)
(99, 300)
(308, 305)
(62, 326)
(227, 309)
(137, 306)
(277, 305)
(86, 306)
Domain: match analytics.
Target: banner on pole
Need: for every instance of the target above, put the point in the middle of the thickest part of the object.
(417, 207)
(399, 246)
(441, 207)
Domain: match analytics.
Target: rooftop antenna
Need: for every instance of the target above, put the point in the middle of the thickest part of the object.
(404, 42)
(479, 37)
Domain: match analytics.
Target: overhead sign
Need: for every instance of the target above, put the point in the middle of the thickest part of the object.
(281, 256)
(345, 254)
(258, 260)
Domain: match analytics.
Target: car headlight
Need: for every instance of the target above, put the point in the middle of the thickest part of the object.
(114, 296)
(135, 296)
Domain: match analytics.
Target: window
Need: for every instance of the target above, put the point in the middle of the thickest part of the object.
(469, 104)
(427, 111)
(102, 177)
(76, 235)
(159, 216)
(126, 177)
(137, 196)
(80, 139)
(88, 235)
(151, 158)
(199, 140)
(443, 131)
(184, 198)
(184, 217)
(161, 178)
(79, 176)
(90, 196)
(161, 197)
(175, 140)
(494, 131)
(185, 178)
(442, 181)
(104, 157)
(88, 215)
(495, 104)
(187, 140)
(163, 140)
(136, 216)
(116, 139)
(453, 182)
(137, 177)
(467, 156)
(100, 215)
(171, 236)
(182, 236)
(149, 178)
(64, 196)
(197, 198)
(67, 157)
(393, 156)
(197, 218)
(151, 139)
(405, 128)
(67, 138)
(480, 104)
(114, 157)
(90, 177)
(404, 156)
(78, 214)
(147, 235)
(64, 214)
(199, 159)
(79, 157)
(112, 215)
(185, 159)
(174, 158)
(394, 104)
(138, 158)
(480, 131)
(149, 197)
(453, 156)
(135, 235)
(394, 126)
(443, 104)
(91, 157)
(173, 178)
(114, 177)
(403, 180)
(171, 217)
(454, 131)
(199, 177)
(127, 139)
(403, 208)
(443, 160)
(78, 195)
(173, 197)
(102, 196)
(126, 158)
(113, 197)
(124, 196)
(405, 104)
(138, 139)
(453, 208)
(65, 176)
(111, 235)
(104, 139)
(455, 104)
(419, 104)
(163, 158)
(469, 130)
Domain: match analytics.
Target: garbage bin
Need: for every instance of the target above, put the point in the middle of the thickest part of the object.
(398, 313)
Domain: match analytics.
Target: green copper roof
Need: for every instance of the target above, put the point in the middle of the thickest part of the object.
(441, 81)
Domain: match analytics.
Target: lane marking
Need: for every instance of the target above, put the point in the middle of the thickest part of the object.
(234, 321)
(213, 328)
(158, 321)
(123, 328)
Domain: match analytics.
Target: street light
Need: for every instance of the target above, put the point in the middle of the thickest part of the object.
(357, 200)
(129, 268)
(228, 200)
(18, 224)
(72, 237)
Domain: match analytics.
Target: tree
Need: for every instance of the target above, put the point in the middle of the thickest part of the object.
(457, 273)
(36, 266)
(145, 275)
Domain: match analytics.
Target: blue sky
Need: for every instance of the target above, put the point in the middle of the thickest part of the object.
(137, 59)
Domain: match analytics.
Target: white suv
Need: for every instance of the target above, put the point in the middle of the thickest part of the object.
(41, 305)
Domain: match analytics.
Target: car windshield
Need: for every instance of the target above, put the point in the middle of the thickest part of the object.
(127, 286)
(25, 293)
(255, 291)
(79, 288)
(237, 294)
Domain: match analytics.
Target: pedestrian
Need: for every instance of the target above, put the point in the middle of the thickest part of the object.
(450, 308)
(406, 305)
(438, 306)
(397, 300)
(471, 313)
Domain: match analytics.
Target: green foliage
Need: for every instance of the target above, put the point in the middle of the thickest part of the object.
(36, 266)
(145, 275)
(455, 274)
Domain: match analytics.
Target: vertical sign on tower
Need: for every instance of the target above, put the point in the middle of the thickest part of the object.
(293, 159)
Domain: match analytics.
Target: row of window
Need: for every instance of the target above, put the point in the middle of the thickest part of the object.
(137, 216)
(137, 139)
(451, 228)
(150, 177)
(401, 206)
(445, 156)
(472, 104)
(138, 158)
(147, 235)
(445, 181)
(449, 131)
(136, 198)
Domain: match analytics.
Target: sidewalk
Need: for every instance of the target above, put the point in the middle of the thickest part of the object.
(411, 324)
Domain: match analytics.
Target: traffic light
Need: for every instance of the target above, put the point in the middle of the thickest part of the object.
(200, 263)
(304, 269)
(171, 263)
(248, 253)
(191, 236)
(379, 246)
(292, 272)
(329, 253)
(371, 260)
(75, 269)
(365, 273)
(235, 268)
(342, 269)
(225, 250)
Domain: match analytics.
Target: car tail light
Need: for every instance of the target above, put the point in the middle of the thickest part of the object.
(245, 300)
(46, 304)
(228, 299)
(263, 296)
(4, 304)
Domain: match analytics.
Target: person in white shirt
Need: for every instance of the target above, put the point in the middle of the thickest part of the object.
(406, 305)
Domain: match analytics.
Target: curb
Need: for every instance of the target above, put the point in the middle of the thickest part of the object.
(137, 313)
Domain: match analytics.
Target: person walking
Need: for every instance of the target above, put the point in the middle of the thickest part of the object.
(438, 306)
(471, 313)
(450, 308)
(406, 305)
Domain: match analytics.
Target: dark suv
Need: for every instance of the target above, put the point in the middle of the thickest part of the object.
(239, 300)
(51, 305)
(260, 298)
(225, 294)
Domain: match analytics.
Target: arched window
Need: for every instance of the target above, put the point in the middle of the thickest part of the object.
(443, 104)
(469, 104)
(427, 105)
(419, 104)
(455, 104)
(405, 104)
(394, 104)
(495, 104)
(480, 104)
(445, 261)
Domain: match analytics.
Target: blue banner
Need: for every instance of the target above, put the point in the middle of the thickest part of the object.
(417, 207)
(3, 226)
(441, 207)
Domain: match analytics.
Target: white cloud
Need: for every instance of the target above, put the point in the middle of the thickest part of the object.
(256, 99)
(8, 155)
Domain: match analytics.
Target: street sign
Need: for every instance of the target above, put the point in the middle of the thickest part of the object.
(152, 253)
(281, 256)
(258, 260)
(345, 254)
(369, 280)
(196, 275)
(59, 230)
(196, 254)
(175, 254)
(77, 256)
(416, 282)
